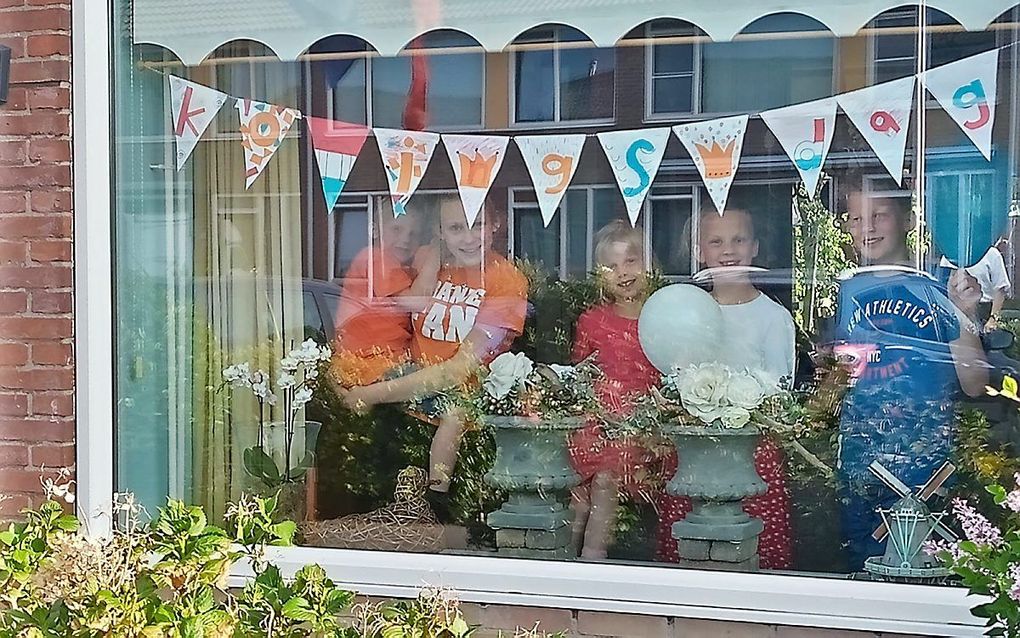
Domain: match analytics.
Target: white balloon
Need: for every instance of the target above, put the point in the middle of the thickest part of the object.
(680, 325)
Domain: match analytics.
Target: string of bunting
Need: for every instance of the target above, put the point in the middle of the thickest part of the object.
(965, 89)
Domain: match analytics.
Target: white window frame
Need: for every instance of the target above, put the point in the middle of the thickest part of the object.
(811, 601)
(651, 115)
(331, 111)
(556, 122)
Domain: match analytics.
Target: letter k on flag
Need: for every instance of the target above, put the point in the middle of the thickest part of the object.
(192, 108)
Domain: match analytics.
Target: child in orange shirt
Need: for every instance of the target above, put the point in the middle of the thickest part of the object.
(477, 308)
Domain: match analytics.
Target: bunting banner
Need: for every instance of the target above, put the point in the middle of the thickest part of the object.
(336, 146)
(715, 146)
(551, 161)
(805, 133)
(476, 160)
(882, 115)
(263, 127)
(635, 157)
(192, 108)
(966, 91)
(405, 156)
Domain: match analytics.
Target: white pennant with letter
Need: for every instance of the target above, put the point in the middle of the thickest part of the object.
(551, 161)
(805, 133)
(263, 127)
(715, 146)
(882, 114)
(405, 156)
(476, 160)
(635, 157)
(192, 108)
(966, 90)
(336, 146)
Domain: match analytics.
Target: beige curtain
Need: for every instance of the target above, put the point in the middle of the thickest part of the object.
(248, 304)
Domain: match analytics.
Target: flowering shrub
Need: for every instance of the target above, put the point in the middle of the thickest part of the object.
(988, 560)
(514, 385)
(715, 393)
(295, 381)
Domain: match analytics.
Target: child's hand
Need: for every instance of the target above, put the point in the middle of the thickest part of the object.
(964, 291)
(356, 399)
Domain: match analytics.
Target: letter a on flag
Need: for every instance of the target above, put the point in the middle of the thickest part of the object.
(966, 90)
(635, 157)
(192, 107)
(882, 114)
(805, 133)
(263, 127)
(336, 146)
(476, 159)
(551, 162)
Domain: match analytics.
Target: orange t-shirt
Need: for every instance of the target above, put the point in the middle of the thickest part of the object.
(494, 296)
(374, 335)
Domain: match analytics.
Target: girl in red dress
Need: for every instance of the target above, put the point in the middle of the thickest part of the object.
(609, 332)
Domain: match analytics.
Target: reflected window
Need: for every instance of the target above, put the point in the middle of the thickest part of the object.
(673, 68)
(560, 77)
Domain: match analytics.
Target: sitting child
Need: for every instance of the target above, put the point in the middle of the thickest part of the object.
(760, 337)
(609, 332)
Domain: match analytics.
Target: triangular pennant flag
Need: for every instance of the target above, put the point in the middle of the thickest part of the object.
(805, 133)
(882, 114)
(476, 160)
(263, 127)
(405, 156)
(551, 161)
(966, 90)
(336, 146)
(635, 157)
(715, 146)
(192, 108)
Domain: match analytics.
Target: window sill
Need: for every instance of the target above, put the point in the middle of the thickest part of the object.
(807, 601)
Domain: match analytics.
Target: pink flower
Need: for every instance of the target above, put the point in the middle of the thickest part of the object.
(977, 528)
(1014, 575)
(934, 547)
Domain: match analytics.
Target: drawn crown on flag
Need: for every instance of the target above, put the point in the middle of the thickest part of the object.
(476, 171)
(718, 160)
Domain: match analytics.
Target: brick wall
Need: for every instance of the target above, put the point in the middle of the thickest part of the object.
(36, 368)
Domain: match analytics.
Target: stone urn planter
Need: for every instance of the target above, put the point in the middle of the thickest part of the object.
(533, 465)
(716, 471)
(267, 472)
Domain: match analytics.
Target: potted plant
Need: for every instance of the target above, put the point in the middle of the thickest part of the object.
(282, 450)
(531, 409)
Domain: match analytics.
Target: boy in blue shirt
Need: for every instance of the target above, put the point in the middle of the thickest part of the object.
(914, 346)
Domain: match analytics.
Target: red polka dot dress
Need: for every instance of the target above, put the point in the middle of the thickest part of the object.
(773, 508)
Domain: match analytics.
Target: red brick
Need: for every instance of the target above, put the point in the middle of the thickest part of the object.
(48, 149)
(31, 70)
(29, 124)
(512, 617)
(50, 250)
(48, 3)
(48, 276)
(14, 404)
(35, 328)
(52, 455)
(51, 202)
(13, 252)
(13, 301)
(13, 202)
(13, 354)
(29, 226)
(5, 4)
(598, 623)
(13, 455)
(51, 302)
(17, 98)
(11, 506)
(48, 354)
(52, 403)
(16, 43)
(46, 19)
(12, 153)
(25, 479)
(36, 378)
(49, 97)
(33, 176)
(37, 430)
(40, 46)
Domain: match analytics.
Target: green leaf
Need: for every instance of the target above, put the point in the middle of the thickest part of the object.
(459, 627)
(284, 532)
(298, 608)
(261, 466)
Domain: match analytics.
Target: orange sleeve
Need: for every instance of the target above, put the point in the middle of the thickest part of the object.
(388, 278)
(506, 299)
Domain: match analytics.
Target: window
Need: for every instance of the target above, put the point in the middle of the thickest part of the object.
(455, 78)
(558, 78)
(673, 70)
(893, 43)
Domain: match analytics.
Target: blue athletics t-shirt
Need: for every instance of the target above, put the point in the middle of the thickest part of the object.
(900, 410)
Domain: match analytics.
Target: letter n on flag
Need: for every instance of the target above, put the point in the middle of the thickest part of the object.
(192, 108)
(336, 145)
